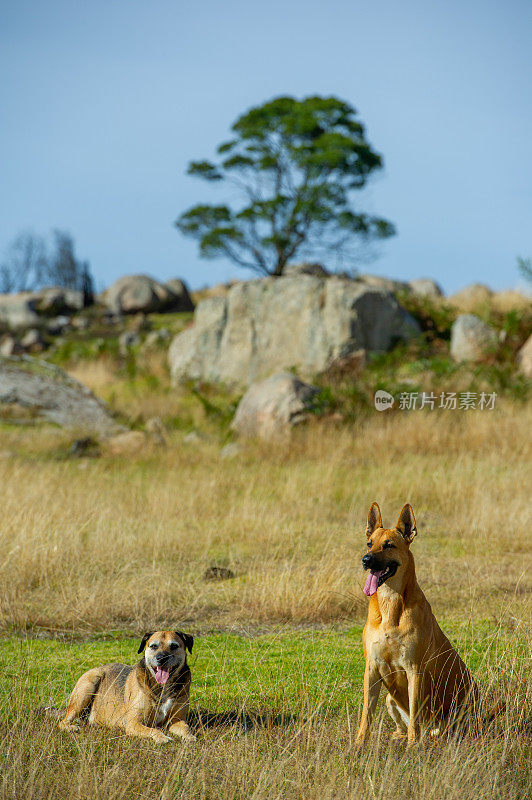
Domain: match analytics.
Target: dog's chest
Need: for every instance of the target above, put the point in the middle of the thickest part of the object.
(164, 709)
(387, 650)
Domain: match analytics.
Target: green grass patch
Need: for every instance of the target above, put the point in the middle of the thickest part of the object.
(288, 673)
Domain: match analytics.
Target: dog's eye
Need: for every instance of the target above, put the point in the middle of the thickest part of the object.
(387, 545)
(154, 646)
(173, 646)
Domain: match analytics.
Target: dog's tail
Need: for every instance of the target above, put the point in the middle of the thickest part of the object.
(498, 708)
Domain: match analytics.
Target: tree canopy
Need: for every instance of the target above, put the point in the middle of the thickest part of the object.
(295, 165)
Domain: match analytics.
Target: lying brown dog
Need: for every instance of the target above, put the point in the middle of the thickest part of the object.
(428, 684)
(143, 699)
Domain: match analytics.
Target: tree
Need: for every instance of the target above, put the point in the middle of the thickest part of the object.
(25, 265)
(295, 164)
(524, 265)
(29, 265)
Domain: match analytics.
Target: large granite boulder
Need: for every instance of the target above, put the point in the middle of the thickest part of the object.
(270, 408)
(140, 293)
(47, 391)
(524, 358)
(264, 326)
(472, 339)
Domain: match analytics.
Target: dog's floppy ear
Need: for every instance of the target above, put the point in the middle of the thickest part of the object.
(188, 639)
(374, 519)
(144, 640)
(406, 524)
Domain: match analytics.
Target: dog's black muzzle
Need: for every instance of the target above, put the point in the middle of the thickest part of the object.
(370, 562)
(162, 659)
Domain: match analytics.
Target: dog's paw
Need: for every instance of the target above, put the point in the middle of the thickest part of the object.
(71, 727)
(160, 738)
(398, 737)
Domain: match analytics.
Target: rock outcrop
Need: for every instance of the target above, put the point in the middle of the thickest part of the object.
(270, 408)
(49, 392)
(472, 339)
(140, 293)
(18, 310)
(524, 358)
(471, 297)
(272, 324)
(426, 287)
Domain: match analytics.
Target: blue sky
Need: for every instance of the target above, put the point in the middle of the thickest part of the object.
(104, 103)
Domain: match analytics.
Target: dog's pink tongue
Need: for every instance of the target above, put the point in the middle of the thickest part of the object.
(372, 582)
(162, 675)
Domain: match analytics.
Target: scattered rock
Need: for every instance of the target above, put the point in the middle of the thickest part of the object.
(139, 323)
(181, 299)
(271, 324)
(10, 347)
(56, 300)
(158, 337)
(472, 339)
(57, 325)
(306, 268)
(134, 293)
(50, 393)
(128, 443)
(230, 450)
(426, 287)
(17, 310)
(510, 300)
(127, 340)
(524, 358)
(471, 298)
(193, 437)
(79, 323)
(270, 408)
(218, 574)
(157, 430)
(84, 448)
(32, 341)
(347, 366)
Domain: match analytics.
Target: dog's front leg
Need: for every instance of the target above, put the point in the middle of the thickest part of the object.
(181, 729)
(135, 728)
(414, 706)
(372, 687)
(178, 721)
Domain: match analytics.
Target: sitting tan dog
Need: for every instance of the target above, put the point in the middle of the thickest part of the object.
(143, 699)
(428, 684)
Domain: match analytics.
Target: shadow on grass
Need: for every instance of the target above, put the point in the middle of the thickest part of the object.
(200, 718)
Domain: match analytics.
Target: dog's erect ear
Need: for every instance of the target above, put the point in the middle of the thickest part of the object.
(144, 640)
(406, 524)
(187, 639)
(374, 519)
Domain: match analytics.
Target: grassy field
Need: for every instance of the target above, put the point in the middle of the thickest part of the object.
(95, 551)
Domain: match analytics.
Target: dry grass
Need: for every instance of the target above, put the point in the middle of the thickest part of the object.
(110, 542)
